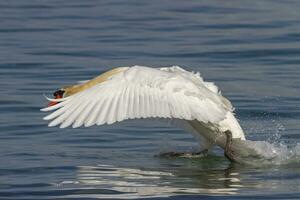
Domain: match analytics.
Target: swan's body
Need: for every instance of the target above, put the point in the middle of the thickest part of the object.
(143, 92)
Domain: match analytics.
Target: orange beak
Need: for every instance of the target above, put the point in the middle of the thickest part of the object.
(52, 103)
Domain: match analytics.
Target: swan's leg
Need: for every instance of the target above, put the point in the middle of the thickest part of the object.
(228, 151)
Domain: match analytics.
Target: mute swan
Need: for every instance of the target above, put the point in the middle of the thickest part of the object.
(143, 92)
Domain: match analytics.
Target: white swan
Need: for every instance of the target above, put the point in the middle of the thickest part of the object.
(143, 92)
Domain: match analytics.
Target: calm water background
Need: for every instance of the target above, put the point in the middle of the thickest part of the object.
(250, 49)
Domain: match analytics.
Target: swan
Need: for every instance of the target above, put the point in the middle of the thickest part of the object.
(172, 93)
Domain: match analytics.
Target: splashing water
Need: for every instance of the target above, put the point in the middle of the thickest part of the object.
(266, 146)
(260, 153)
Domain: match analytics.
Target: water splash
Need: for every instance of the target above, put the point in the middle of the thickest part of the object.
(261, 153)
(269, 147)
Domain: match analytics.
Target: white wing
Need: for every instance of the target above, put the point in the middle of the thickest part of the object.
(142, 92)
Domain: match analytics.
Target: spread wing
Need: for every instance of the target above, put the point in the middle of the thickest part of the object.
(140, 92)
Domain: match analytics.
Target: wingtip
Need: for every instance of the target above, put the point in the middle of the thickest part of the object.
(88, 124)
(46, 118)
(43, 109)
(63, 126)
(50, 125)
(76, 125)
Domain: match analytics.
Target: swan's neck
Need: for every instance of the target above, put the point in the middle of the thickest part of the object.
(70, 90)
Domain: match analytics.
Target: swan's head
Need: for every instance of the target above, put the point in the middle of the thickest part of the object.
(83, 85)
(57, 95)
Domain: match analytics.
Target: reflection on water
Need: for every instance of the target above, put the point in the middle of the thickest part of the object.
(128, 182)
(133, 183)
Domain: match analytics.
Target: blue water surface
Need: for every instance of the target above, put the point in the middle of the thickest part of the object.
(250, 49)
